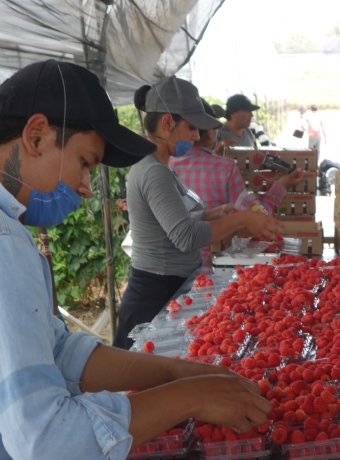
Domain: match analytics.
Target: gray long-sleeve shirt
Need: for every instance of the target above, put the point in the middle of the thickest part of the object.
(165, 221)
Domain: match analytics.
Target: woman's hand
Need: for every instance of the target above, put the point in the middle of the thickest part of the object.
(219, 211)
(294, 178)
(261, 225)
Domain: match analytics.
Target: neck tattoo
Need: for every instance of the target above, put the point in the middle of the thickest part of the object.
(12, 179)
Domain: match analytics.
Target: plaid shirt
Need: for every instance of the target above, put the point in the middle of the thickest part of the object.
(217, 180)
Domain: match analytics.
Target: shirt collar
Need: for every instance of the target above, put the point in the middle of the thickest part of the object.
(199, 148)
(9, 204)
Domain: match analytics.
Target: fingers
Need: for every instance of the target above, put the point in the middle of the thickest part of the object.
(247, 410)
(254, 417)
(253, 412)
(262, 405)
(231, 401)
(264, 226)
(228, 208)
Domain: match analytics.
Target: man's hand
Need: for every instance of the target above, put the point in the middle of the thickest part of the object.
(225, 400)
(230, 400)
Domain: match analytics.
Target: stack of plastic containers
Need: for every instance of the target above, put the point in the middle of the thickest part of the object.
(278, 325)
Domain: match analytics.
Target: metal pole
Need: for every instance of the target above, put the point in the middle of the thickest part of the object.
(110, 271)
(45, 249)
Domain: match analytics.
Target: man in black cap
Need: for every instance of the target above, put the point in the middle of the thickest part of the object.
(236, 132)
(61, 393)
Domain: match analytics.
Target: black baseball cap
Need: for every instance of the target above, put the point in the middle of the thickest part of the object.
(239, 102)
(208, 108)
(178, 96)
(59, 89)
(219, 111)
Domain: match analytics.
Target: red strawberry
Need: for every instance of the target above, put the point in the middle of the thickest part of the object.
(297, 437)
(279, 435)
(149, 346)
(187, 300)
(322, 436)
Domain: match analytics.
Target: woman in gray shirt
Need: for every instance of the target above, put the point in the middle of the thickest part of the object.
(168, 222)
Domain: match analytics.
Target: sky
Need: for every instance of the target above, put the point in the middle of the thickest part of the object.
(237, 52)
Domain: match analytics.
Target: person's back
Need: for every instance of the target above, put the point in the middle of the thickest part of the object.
(313, 123)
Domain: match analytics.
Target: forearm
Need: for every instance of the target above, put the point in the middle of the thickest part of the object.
(228, 225)
(114, 369)
(256, 223)
(218, 212)
(159, 409)
(273, 196)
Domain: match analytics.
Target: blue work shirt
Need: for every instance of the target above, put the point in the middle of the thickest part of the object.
(43, 413)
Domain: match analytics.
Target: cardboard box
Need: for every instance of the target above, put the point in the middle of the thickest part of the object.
(304, 159)
(262, 180)
(245, 158)
(250, 159)
(310, 233)
(294, 218)
(296, 204)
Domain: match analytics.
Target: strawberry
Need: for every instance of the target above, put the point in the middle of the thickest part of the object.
(187, 300)
(279, 435)
(149, 346)
(297, 437)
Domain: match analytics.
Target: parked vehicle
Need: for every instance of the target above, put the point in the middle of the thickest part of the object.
(327, 172)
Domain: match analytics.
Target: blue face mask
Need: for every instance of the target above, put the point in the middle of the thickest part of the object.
(46, 209)
(182, 147)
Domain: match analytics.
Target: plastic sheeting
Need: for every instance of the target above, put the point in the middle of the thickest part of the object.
(126, 42)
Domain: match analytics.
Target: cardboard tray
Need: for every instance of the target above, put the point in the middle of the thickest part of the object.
(262, 180)
(310, 233)
(250, 159)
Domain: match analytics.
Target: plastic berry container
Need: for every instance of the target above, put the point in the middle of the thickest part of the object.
(172, 347)
(254, 448)
(175, 443)
(316, 450)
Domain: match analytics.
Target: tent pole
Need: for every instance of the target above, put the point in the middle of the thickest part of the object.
(106, 198)
(97, 65)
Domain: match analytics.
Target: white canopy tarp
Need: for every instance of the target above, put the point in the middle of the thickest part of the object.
(126, 42)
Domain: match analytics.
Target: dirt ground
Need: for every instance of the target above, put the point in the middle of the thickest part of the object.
(88, 316)
(88, 313)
